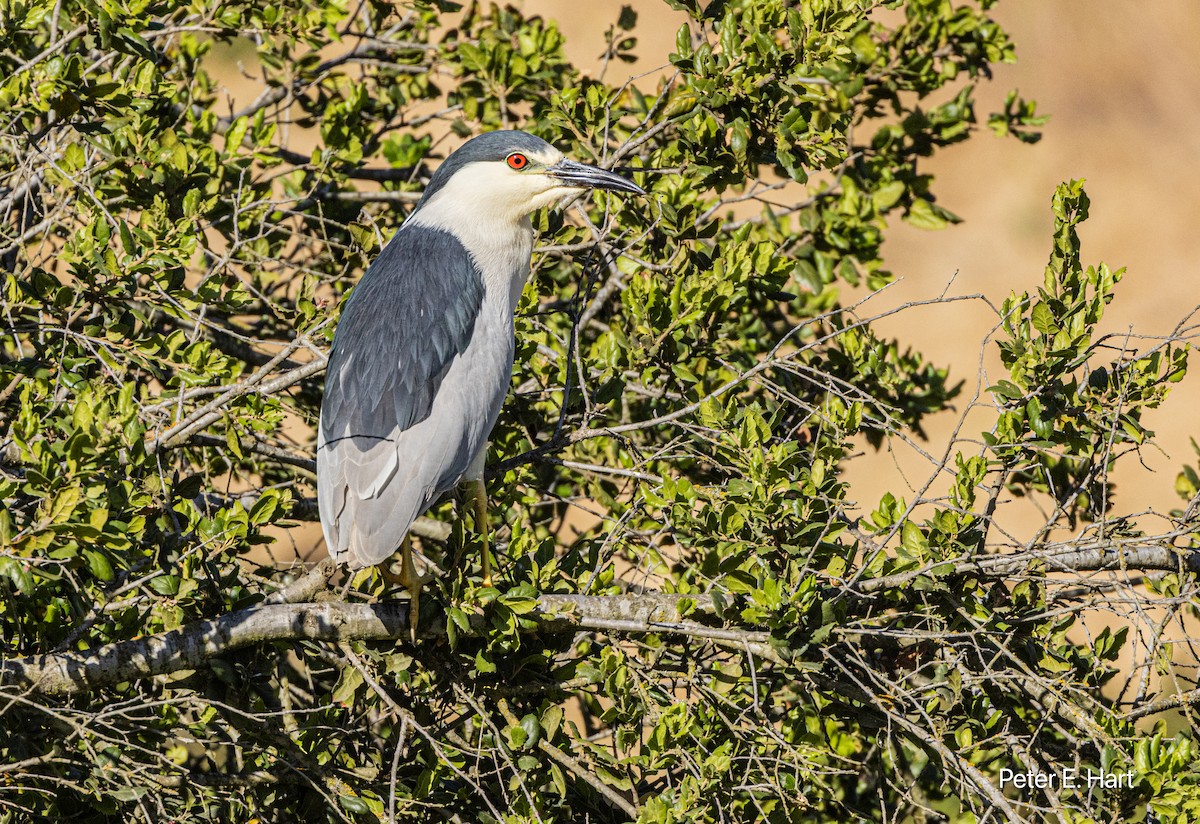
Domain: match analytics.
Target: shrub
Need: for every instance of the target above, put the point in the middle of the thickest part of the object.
(726, 637)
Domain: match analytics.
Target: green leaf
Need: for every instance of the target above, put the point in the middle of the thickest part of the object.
(923, 215)
(165, 584)
(558, 779)
(482, 664)
(364, 236)
(235, 135)
(551, 718)
(887, 196)
(15, 571)
(1043, 319)
(515, 736)
(459, 618)
(99, 564)
(612, 779)
(264, 508)
(349, 682)
(191, 203)
(234, 442)
(913, 539)
(353, 804)
(64, 505)
(533, 729)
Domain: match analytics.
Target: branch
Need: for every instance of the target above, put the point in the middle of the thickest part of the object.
(189, 647)
(1169, 702)
(1068, 558)
(279, 618)
(211, 412)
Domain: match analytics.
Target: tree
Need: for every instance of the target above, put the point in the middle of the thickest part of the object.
(733, 639)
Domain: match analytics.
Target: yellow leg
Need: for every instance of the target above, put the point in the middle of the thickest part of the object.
(408, 579)
(479, 490)
(413, 584)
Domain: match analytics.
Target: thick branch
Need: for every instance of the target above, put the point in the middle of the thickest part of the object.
(1169, 702)
(280, 620)
(191, 646)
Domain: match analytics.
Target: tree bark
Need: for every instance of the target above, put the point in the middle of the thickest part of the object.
(189, 647)
(281, 618)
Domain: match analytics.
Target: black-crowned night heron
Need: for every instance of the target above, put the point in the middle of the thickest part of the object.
(423, 354)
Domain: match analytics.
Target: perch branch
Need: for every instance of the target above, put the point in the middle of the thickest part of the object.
(281, 618)
(191, 646)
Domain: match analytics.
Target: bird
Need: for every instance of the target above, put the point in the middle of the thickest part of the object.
(422, 354)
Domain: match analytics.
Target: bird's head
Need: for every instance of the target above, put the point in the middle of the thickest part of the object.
(510, 174)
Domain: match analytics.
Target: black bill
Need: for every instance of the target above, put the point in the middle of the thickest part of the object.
(591, 177)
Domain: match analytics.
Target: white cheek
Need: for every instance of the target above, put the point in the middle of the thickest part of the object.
(490, 192)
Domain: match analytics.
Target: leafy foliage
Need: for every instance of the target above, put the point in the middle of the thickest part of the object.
(689, 373)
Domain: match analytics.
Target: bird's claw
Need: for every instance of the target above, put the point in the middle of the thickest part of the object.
(411, 581)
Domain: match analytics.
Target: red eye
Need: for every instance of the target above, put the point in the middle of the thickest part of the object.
(517, 161)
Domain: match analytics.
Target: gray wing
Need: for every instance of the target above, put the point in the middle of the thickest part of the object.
(410, 317)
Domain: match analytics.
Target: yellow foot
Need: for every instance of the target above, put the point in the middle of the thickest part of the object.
(479, 491)
(410, 580)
